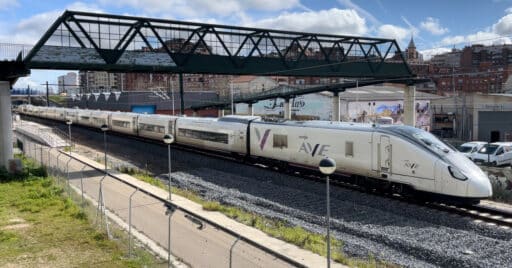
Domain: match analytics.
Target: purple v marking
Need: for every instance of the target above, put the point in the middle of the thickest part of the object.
(264, 138)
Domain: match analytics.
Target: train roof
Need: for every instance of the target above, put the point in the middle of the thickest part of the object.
(239, 118)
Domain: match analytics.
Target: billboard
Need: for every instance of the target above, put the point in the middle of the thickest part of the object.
(319, 106)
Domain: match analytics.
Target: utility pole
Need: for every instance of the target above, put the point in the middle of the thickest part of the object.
(182, 101)
(455, 102)
(29, 101)
(47, 95)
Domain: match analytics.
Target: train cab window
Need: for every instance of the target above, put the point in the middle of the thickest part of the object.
(349, 149)
(85, 118)
(280, 141)
(500, 151)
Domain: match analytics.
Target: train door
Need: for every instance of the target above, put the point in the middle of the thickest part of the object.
(385, 153)
(241, 141)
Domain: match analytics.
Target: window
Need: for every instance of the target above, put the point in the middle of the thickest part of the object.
(203, 135)
(152, 128)
(349, 149)
(98, 121)
(280, 141)
(122, 124)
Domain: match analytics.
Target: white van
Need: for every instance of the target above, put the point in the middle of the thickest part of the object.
(498, 154)
(470, 148)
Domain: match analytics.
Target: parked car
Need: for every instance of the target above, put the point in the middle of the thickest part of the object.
(497, 154)
(470, 148)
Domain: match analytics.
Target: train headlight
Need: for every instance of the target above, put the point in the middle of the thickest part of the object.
(456, 173)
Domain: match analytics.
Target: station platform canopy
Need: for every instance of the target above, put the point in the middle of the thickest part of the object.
(105, 42)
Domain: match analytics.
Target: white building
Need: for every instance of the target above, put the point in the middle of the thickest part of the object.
(92, 81)
(248, 84)
(67, 83)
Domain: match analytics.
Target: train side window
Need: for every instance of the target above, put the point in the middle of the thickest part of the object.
(119, 123)
(280, 141)
(349, 149)
(204, 135)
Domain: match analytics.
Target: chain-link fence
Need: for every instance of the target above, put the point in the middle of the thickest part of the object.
(146, 214)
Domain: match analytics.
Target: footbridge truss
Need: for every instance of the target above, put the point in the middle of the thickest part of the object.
(90, 41)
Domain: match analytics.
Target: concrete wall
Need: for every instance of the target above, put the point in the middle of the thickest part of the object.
(499, 122)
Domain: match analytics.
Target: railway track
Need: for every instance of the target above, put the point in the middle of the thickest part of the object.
(480, 213)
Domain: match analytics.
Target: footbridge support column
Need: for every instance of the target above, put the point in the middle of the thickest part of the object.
(287, 109)
(336, 107)
(250, 109)
(5, 124)
(409, 107)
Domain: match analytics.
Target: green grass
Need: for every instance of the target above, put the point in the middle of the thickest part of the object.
(276, 228)
(56, 232)
(61, 100)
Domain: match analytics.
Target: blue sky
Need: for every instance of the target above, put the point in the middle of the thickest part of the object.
(437, 26)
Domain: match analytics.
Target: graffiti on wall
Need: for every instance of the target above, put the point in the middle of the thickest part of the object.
(367, 111)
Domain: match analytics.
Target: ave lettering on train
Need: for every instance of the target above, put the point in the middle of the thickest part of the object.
(317, 149)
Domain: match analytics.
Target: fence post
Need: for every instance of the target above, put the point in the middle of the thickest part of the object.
(82, 185)
(101, 207)
(49, 157)
(57, 168)
(231, 249)
(130, 223)
(68, 178)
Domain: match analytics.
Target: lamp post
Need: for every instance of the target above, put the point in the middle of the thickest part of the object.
(69, 122)
(104, 128)
(168, 139)
(327, 166)
(231, 92)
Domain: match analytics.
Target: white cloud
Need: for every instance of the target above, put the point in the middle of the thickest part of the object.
(198, 8)
(453, 40)
(30, 30)
(433, 26)
(429, 53)
(504, 25)
(349, 4)
(8, 4)
(508, 10)
(332, 21)
(414, 31)
(487, 38)
(25, 82)
(481, 37)
(394, 32)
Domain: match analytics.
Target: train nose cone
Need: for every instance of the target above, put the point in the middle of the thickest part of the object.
(479, 186)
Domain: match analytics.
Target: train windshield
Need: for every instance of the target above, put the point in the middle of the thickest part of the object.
(424, 138)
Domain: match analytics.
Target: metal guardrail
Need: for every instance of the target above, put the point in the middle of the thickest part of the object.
(194, 217)
(14, 51)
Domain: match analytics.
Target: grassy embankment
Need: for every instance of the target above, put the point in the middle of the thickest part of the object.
(40, 226)
(282, 230)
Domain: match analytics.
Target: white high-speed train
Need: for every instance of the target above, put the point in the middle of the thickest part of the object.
(400, 158)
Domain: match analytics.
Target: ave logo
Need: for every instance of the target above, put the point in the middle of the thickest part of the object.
(262, 138)
(316, 149)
